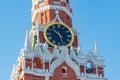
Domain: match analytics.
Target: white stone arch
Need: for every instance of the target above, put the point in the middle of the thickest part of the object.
(64, 57)
(90, 57)
(38, 53)
(90, 60)
(37, 64)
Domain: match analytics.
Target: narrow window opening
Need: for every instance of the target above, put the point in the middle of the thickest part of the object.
(64, 72)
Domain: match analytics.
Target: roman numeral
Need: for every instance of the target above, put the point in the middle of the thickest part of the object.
(49, 37)
(53, 26)
(48, 33)
(49, 29)
(69, 36)
(63, 28)
(67, 31)
(58, 26)
(68, 40)
(64, 44)
(53, 42)
(59, 44)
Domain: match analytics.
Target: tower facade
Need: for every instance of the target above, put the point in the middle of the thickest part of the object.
(51, 49)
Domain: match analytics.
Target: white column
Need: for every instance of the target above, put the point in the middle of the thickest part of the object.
(85, 69)
(46, 77)
(96, 71)
(24, 64)
(49, 65)
(43, 64)
(32, 63)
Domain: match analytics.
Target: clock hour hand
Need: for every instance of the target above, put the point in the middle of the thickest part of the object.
(57, 33)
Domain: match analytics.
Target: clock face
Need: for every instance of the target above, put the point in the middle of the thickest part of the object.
(89, 67)
(58, 34)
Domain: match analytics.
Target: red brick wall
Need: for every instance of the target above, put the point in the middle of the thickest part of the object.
(100, 71)
(49, 15)
(58, 75)
(41, 36)
(47, 65)
(37, 63)
(65, 18)
(28, 63)
(32, 77)
(27, 77)
(75, 42)
(82, 69)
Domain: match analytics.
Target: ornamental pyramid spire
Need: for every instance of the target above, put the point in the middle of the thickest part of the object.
(96, 53)
(27, 46)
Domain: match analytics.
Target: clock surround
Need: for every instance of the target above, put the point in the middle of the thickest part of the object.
(58, 34)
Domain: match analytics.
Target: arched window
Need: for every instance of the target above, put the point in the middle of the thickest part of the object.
(64, 71)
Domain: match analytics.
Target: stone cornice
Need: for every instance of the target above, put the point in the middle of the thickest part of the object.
(54, 7)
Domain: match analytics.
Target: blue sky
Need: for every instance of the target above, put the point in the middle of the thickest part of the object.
(96, 18)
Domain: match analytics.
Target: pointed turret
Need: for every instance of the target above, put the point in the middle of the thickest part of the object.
(27, 46)
(38, 39)
(96, 53)
(79, 51)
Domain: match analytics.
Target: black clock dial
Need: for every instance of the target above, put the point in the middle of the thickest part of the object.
(59, 34)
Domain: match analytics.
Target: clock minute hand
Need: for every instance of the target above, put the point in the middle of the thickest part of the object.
(60, 35)
(61, 40)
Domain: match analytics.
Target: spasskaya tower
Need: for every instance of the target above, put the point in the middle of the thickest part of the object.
(51, 49)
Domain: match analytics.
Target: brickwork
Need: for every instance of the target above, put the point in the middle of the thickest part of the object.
(75, 42)
(42, 40)
(32, 77)
(28, 63)
(100, 71)
(37, 63)
(59, 75)
(68, 66)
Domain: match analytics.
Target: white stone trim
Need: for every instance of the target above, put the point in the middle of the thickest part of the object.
(83, 60)
(54, 7)
(65, 57)
(91, 78)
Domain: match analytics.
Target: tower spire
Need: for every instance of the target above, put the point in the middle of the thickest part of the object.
(27, 46)
(96, 53)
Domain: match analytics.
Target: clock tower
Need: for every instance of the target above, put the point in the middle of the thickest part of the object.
(45, 12)
(51, 49)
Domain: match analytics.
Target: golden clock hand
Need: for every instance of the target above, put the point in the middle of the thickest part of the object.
(57, 33)
(60, 35)
(61, 40)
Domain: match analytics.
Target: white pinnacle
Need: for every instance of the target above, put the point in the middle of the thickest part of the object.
(96, 49)
(27, 46)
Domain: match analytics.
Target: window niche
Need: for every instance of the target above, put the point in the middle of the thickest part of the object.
(89, 67)
(64, 71)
